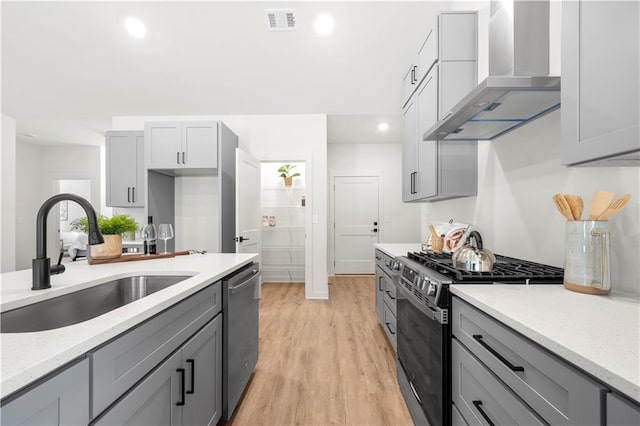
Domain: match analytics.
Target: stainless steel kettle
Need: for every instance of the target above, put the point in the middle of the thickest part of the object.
(473, 258)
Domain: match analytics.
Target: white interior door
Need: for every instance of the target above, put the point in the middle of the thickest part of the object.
(247, 203)
(356, 223)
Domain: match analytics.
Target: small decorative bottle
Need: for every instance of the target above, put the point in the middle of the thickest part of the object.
(150, 236)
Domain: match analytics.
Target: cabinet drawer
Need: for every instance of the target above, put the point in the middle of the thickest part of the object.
(390, 327)
(390, 294)
(387, 264)
(556, 391)
(480, 397)
(124, 361)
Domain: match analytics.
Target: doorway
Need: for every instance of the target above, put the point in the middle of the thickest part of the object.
(284, 213)
(356, 222)
(73, 243)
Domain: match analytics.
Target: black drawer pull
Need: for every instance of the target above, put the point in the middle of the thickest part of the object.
(478, 338)
(193, 375)
(389, 293)
(390, 330)
(478, 405)
(181, 372)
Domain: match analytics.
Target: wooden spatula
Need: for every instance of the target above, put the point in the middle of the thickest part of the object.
(600, 203)
(563, 206)
(576, 205)
(615, 207)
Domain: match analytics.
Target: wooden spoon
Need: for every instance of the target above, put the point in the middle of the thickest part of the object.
(615, 207)
(600, 203)
(576, 205)
(433, 231)
(563, 206)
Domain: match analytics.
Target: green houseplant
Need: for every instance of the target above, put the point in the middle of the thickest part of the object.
(112, 229)
(285, 172)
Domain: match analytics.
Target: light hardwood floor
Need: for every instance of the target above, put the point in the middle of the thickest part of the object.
(322, 362)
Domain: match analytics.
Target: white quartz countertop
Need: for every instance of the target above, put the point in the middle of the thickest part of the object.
(598, 334)
(398, 249)
(28, 356)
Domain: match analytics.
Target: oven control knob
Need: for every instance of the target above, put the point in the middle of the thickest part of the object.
(432, 290)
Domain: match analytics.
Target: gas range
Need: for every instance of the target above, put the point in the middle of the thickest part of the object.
(428, 275)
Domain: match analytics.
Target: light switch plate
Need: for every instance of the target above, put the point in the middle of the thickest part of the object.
(314, 218)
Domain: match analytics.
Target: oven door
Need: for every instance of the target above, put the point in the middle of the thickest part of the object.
(423, 358)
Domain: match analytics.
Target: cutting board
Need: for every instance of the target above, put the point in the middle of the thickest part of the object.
(134, 257)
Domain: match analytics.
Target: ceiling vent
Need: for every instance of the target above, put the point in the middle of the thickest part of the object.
(281, 19)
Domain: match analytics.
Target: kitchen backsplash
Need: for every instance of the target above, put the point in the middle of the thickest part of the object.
(517, 176)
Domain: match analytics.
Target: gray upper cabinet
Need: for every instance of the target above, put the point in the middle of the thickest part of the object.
(61, 400)
(600, 83)
(181, 145)
(125, 168)
(446, 71)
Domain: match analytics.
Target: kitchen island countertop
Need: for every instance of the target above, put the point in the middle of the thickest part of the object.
(598, 334)
(397, 249)
(29, 356)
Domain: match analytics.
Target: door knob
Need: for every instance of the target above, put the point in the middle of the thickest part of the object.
(374, 230)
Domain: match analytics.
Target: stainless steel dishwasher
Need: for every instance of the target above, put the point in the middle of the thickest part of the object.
(240, 296)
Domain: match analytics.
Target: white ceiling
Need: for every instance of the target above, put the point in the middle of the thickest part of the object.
(68, 67)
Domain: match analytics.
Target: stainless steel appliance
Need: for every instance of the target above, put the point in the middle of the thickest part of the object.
(424, 332)
(240, 297)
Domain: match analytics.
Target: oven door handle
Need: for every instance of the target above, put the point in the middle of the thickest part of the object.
(415, 393)
(433, 313)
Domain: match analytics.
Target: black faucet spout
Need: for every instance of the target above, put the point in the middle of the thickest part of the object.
(41, 265)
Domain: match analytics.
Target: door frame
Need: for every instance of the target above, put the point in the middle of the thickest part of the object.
(332, 210)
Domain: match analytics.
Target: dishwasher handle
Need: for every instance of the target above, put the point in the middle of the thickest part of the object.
(245, 278)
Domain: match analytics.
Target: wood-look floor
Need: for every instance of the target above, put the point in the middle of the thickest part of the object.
(322, 362)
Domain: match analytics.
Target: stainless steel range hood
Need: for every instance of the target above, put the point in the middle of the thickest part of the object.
(518, 88)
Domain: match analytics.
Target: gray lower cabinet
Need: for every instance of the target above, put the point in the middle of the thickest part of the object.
(385, 291)
(379, 291)
(621, 411)
(186, 389)
(600, 107)
(553, 389)
(60, 400)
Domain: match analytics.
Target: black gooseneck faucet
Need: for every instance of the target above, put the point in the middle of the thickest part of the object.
(41, 265)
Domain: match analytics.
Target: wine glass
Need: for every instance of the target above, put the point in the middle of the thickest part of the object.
(165, 232)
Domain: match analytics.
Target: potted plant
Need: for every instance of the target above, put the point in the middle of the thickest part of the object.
(285, 172)
(112, 229)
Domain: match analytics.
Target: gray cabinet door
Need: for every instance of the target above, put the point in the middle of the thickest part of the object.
(163, 145)
(427, 96)
(379, 289)
(409, 160)
(600, 83)
(621, 412)
(60, 400)
(202, 359)
(154, 401)
(122, 166)
(200, 144)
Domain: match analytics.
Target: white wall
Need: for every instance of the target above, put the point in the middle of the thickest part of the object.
(272, 138)
(517, 175)
(81, 187)
(400, 222)
(38, 169)
(8, 190)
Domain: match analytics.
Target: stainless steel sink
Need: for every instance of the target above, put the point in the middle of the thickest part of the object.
(85, 304)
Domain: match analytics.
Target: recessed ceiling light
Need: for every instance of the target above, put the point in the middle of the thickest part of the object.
(135, 27)
(324, 24)
(383, 127)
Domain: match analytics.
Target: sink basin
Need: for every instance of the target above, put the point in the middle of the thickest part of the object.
(84, 304)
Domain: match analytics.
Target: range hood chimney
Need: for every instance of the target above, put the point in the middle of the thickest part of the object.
(518, 88)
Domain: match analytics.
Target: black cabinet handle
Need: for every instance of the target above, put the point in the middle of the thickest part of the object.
(178, 157)
(182, 157)
(193, 375)
(389, 293)
(128, 194)
(379, 283)
(478, 338)
(413, 182)
(133, 194)
(478, 405)
(181, 372)
(390, 331)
